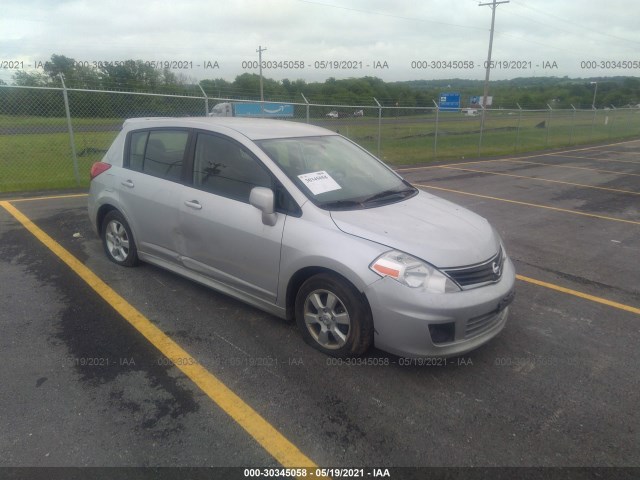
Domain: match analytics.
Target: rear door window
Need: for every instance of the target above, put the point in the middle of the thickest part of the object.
(159, 153)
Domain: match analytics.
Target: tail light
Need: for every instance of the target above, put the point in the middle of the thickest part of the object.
(97, 168)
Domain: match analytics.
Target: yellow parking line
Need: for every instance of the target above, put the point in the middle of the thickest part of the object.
(593, 158)
(595, 147)
(555, 165)
(49, 197)
(625, 152)
(547, 207)
(427, 167)
(540, 179)
(586, 296)
(262, 431)
(536, 155)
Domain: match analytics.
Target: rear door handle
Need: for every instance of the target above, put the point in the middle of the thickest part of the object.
(193, 204)
(127, 183)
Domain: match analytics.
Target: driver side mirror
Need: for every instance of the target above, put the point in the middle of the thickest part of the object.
(264, 200)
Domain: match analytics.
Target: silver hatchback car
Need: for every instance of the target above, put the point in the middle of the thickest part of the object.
(306, 225)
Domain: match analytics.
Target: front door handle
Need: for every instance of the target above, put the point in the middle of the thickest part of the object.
(127, 183)
(193, 204)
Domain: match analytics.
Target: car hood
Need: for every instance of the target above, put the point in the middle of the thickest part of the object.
(425, 226)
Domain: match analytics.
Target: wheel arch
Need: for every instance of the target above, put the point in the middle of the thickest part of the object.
(102, 212)
(301, 276)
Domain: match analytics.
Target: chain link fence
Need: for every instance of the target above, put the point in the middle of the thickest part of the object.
(50, 137)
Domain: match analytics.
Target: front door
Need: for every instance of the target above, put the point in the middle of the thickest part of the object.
(223, 236)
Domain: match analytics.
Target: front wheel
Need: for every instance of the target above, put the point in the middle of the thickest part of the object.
(118, 241)
(333, 317)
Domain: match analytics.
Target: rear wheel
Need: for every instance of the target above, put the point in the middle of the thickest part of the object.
(118, 241)
(333, 317)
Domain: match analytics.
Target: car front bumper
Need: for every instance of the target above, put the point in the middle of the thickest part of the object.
(408, 320)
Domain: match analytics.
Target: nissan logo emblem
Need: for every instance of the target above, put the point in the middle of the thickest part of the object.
(495, 266)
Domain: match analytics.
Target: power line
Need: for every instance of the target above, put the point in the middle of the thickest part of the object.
(548, 26)
(528, 40)
(390, 15)
(582, 27)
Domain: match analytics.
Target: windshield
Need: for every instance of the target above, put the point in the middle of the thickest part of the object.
(335, 173)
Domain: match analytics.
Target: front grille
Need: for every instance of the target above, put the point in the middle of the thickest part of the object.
(475, 275)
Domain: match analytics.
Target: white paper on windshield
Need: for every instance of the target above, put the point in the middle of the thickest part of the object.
(319, 182)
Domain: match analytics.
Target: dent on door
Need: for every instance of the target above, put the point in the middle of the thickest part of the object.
(229, 241)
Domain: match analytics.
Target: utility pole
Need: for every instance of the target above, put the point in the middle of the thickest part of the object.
(260, 50)
(494, 4)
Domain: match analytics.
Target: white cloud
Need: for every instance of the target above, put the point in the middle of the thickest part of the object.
(398, 32)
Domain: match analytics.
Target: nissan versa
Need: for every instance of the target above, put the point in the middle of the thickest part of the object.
(306, 225)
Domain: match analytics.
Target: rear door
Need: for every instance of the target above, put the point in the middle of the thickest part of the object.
(223, 236)
(150, 188)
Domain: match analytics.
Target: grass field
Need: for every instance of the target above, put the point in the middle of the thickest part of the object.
(39, 157)
(35, 122)
(44, 161)
(503, 134)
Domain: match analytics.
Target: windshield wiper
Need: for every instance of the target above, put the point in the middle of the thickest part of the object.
(390, 193)
(341, 205)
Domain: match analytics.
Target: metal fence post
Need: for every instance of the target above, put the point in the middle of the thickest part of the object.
(379, 123)
(546, 141)
(307, 102)
(206, 101)
(573, 125)
(518, 128)
(435, 138)
(484, 111)
(613, 119)
(72, 141)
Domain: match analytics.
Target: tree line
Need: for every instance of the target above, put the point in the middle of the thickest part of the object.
(139, 76)
(528, 93)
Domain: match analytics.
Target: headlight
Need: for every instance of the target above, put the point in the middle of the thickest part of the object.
(412, 272)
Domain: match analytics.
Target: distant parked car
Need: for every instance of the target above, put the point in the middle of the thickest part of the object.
(333, 114)
(358, 113)
(304, 224)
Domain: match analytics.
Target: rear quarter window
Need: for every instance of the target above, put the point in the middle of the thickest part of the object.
(136, 151)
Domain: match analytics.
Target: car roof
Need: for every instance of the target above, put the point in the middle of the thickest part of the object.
(252, 128)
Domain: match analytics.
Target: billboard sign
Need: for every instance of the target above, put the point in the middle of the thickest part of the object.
(449, 101)
(269, 110)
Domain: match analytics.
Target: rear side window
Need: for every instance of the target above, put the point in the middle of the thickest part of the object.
(224, 168)
(158, 152)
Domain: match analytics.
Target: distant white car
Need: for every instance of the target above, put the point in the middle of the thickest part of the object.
(358, 113)
(333, 114)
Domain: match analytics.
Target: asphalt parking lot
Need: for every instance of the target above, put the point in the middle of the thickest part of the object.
(83, 385)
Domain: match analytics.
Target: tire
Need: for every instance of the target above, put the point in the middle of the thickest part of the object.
(118, 241)
(333, 317)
